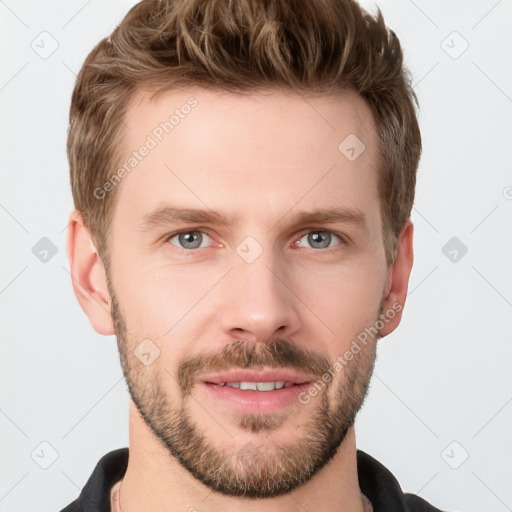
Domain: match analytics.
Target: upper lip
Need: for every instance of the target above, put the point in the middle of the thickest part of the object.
(273, 375)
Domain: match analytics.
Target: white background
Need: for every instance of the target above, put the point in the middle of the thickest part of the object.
(443, 376)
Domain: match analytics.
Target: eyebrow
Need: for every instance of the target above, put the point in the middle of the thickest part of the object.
(171, 215)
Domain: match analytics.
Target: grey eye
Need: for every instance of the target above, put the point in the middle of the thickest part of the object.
(320, 239)
(189, 239)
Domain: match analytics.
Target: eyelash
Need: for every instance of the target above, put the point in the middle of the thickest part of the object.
(343, 240)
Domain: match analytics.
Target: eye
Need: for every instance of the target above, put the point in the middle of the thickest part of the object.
(320, 239)
(192, 239)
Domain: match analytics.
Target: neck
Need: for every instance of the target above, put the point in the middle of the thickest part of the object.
(154, 480)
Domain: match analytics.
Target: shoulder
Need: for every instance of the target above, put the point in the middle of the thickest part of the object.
(383, 490)
(95, 495)
(417, 504)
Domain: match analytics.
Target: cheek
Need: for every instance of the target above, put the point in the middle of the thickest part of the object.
(345, 298)
(159, 300)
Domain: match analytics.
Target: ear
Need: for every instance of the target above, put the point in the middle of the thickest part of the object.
(88, 275)
(397, 282)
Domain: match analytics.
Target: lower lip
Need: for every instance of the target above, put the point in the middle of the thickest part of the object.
(256, 401)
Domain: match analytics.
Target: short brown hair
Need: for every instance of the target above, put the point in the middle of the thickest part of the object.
(314, 47)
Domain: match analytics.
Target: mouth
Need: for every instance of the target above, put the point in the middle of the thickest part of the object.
(256, 386)
(258, 392)
(266, 380)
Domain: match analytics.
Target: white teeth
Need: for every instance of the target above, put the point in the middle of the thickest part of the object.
(257, 386)
(266, 386)
(253, 386)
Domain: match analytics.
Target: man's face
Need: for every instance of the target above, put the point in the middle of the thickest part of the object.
(269, 294)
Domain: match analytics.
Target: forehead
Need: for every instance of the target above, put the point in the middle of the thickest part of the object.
(253, 156)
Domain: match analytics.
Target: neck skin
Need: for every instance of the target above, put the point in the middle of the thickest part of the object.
(154, 480)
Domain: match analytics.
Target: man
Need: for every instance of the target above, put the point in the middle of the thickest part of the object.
(243, 175)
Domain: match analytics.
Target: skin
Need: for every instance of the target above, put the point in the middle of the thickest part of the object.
(259, 160)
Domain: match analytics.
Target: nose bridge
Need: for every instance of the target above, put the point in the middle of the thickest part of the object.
(257, 302)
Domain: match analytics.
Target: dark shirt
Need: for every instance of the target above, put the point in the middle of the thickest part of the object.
(375, 481)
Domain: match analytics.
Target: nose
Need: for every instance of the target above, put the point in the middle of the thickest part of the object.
(258, 301)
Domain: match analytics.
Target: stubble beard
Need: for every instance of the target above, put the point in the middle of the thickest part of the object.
(246, 469)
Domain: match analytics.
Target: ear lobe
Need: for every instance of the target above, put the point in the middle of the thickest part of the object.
(397, 282)
(88, 275)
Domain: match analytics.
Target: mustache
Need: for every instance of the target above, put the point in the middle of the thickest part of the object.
(244, 354)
